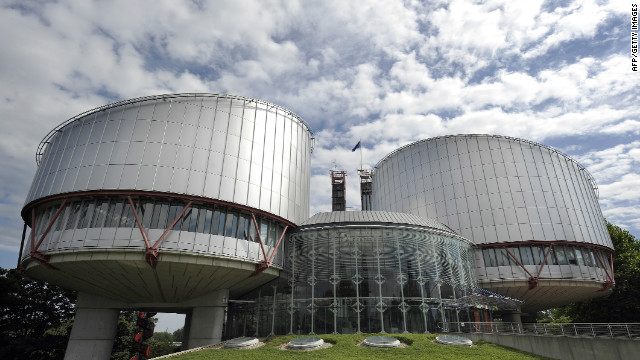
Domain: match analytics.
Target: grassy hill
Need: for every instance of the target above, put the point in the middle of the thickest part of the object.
(419, 346)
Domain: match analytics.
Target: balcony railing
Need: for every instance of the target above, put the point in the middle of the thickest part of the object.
(559, 329)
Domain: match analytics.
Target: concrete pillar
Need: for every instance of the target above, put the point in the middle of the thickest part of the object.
(206, 320)
(512, 316)
(94, 329)
(185, 332)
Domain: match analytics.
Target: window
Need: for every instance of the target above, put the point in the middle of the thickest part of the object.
(527, 255)
(231, 225)
(162, 218)
(502, 256)
(202, 218)
(85, 214)
(489, 257)
(101, 212)
(207, 221)
(193, 221)
(551, 258)
(571, 255)
(560, 254)
(579, 257)
(147, 212)
(516, 253)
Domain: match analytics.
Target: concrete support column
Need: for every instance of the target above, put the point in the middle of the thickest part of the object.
(206, 320)
(94, 329)
(185, 332)
(513, 316)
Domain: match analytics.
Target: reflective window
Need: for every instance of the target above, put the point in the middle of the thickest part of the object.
(231, 225)
(560, 255)
(489, 257)
(571, 255)
(118, 213)
(527, 255)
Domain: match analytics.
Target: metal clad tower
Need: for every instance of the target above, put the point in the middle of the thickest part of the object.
(167, 202)
(520, 202)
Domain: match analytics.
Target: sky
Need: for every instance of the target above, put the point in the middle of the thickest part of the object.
(385, 71)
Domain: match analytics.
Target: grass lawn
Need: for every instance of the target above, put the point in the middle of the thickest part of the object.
(420, 346)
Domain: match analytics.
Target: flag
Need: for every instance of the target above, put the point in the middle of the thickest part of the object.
(356, 147)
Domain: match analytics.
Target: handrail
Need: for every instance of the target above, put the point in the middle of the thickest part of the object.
(626, 330)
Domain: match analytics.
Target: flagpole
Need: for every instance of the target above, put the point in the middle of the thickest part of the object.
(360, 153)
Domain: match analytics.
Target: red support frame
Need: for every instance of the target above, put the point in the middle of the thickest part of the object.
(152, 253)
(266, 263)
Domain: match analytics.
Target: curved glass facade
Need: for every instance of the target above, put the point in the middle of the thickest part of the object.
(377, 280)
(365, 277)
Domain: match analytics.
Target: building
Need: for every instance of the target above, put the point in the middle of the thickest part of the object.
(165, 203)
(199, 204)
(520, 202)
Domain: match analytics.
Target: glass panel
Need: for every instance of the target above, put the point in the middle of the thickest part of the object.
(551, 258)
(102, 207)
(527, 255)
(194, 219)
(503, 257)
(207, 221)
(489, 257)
(73, 215)
(217, 225)
(252, 232)
(562, 259)
(174, 210)
(516, 253)
(264, 230)
(272, 235)
(571, 255)
(579, 257)
(538, 254)
(202, 219)
(127, 219)
(587, 257)
(245, 226)
(85, 215)
(185, 221)
(155, 217)
(147, 212)
(162, 218)
(231, 226)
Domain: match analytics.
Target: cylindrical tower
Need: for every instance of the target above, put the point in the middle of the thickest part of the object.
(519, 201)
(200, 186)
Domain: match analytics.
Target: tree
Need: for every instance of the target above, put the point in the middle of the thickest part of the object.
(178, 335)
(622, 304)
(162, 344)
(35, 318)
(127, 328)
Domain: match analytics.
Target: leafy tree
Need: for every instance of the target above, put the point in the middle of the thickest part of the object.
(622, 304)
(162, 344)
(127, 329)
(35, 318)
(178, 335)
